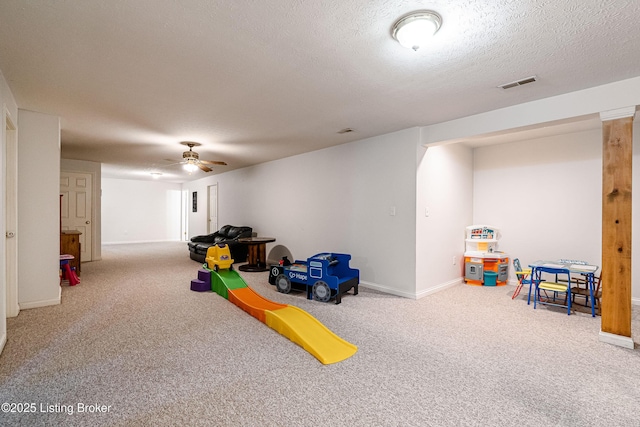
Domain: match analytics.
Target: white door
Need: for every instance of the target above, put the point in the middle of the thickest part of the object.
(75, 188)
(213, 208)
(185, 215)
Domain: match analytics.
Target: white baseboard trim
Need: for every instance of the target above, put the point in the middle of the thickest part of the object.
(619, 340)
(439, 288)
(140, 241)
(386, 290)
(3, 341)
(411, 295)
(38, 304)
(13, 311)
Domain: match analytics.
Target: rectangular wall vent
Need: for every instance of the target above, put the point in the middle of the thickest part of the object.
(518, 83)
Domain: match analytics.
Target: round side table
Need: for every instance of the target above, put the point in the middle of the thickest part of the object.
(257, 256)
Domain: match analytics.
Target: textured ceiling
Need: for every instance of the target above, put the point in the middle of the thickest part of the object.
(257, 81)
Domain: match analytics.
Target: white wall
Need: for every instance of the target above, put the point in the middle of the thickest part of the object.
(9, 110)
(547, 224)
(93, 168)
(337, 200)
(445, 194)
(546, 197)
(38, 209)
(140, 211)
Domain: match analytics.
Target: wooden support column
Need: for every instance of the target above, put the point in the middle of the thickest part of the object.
(617, 155)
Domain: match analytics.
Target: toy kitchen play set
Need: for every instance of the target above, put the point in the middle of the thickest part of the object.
(483, 263)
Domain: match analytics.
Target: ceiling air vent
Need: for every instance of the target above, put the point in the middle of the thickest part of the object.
(345, 130)
(518, 83)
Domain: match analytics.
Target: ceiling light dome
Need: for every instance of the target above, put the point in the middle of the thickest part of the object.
(190, 167)
(415, 29)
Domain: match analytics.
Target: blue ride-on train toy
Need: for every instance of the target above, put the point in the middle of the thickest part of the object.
(323, 276)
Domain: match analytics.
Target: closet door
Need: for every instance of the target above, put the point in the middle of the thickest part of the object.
(75, 188)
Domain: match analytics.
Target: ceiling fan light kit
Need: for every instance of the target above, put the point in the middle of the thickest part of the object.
(416, 28)
(191, 160)
(190, 167)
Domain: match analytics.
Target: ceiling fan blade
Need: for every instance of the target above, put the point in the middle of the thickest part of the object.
(209, 162)
(204, 168)
(173, 163)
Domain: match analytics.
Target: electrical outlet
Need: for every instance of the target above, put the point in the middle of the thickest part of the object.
(392, 211)
(426, 212)
(454, 260)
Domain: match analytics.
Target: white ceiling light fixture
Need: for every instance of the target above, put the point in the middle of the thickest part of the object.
(416, 29)
(190, 166)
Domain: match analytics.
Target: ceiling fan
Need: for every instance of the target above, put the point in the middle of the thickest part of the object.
(191, 159)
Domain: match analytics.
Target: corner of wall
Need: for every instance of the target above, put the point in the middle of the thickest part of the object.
(38, 142)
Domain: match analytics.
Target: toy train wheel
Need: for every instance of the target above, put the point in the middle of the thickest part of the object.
(321, 291)
(283, 284)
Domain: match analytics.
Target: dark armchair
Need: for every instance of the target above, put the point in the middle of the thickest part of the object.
(227, 234)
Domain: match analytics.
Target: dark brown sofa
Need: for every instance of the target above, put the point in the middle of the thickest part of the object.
(227, 234)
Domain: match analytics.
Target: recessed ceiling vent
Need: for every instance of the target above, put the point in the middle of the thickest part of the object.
(345, 130)
(518, 83)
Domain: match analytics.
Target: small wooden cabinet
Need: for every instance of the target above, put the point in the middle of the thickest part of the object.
(70, 244)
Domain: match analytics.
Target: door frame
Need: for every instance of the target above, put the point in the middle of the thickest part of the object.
(10, 188)
(212, 228)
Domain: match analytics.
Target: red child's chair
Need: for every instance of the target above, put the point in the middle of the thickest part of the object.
(67, 272)
(523, 279)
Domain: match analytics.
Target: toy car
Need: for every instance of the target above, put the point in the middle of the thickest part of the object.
(219, 257)
(323, 276)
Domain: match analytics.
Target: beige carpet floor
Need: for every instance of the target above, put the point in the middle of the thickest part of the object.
(134, 340)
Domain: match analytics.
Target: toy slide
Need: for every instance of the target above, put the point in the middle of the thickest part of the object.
(307, 331)
(292, 322)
